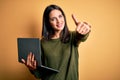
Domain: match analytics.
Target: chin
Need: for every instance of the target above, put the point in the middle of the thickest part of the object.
(60, 29)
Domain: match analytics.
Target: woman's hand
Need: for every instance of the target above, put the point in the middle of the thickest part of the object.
(82, 27)
(31, 62)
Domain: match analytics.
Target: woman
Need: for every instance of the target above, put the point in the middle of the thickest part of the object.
(59, 46)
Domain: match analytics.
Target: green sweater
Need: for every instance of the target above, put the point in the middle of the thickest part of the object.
(61, 56)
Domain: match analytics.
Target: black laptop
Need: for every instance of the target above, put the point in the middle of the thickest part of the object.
(27, 45)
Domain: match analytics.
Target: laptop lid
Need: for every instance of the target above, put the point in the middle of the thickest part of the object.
(27, 45)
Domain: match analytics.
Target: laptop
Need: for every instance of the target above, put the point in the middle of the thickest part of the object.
(27, 45)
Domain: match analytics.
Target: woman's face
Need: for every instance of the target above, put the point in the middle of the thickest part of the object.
(56, 20)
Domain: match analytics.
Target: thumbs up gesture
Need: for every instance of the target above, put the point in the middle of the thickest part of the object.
(81, 27)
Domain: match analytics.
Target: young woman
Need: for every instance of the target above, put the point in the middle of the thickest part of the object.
(59, 46)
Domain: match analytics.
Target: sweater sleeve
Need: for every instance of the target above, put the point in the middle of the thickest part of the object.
(78, 38)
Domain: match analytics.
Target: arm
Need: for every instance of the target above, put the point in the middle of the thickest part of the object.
(31, 64)
(82, 30)
(78, 38)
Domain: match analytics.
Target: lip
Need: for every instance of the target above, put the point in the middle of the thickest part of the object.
(59, 25)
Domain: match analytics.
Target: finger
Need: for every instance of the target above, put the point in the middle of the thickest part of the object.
(28, 59)
(75, 19)
(34, 64)
(82, 29)
(80, 26)
(32, 59)
(85, 31)
(88, 27)
(23, 61)
(87, 24)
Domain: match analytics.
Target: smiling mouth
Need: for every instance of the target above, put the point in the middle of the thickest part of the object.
(59, 25)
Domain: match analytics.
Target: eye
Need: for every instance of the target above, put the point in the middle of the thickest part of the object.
(60, 16)
(52, 19)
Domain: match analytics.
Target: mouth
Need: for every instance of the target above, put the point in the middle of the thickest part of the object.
(60, 25)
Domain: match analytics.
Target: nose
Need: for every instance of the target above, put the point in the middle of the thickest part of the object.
(58, 20)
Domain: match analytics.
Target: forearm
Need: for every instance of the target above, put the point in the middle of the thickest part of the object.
(80, 38)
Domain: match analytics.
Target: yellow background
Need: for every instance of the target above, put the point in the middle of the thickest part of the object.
(99, 57)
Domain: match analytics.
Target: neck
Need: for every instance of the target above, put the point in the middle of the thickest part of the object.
(56, 35)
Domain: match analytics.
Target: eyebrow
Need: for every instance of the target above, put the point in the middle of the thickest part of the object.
(58, 15)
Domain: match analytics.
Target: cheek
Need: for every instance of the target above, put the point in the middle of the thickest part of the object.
(52, 24)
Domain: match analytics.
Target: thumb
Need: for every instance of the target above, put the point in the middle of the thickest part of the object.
(23, 61)
(75, 19)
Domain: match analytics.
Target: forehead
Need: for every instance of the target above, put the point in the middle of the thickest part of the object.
(54, 13)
